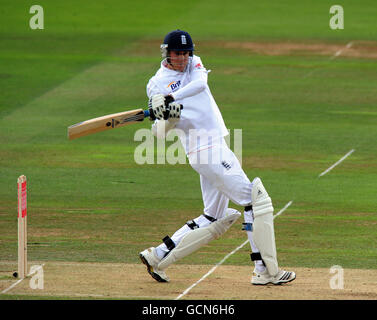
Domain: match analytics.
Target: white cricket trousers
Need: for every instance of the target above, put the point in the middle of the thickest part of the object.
(221, 179)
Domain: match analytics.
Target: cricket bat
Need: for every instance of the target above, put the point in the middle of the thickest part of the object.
(110, 121)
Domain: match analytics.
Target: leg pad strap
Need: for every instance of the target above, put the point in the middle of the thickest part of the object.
(169, 243)
(192, 224)
(256, 256)
(247, 226)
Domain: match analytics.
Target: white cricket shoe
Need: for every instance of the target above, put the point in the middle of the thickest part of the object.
(265, 278)
(150, 259)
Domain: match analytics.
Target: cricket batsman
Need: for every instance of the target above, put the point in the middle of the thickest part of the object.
(180, 99)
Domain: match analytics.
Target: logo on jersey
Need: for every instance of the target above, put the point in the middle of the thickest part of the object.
(226, 165)
(174, 85)
(198, 66)
(183, 39)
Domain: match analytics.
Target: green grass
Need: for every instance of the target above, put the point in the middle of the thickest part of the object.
(89, 201)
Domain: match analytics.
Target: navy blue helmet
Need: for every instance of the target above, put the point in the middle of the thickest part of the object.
(177, 40)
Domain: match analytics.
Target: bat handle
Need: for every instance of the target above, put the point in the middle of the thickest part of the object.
(146, 113)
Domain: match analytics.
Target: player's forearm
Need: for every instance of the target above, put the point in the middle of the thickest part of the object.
(192, 89)
(198, 84)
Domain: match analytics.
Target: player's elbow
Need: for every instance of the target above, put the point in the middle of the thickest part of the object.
(201, 85)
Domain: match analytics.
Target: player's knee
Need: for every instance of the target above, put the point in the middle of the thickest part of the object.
(203, 220)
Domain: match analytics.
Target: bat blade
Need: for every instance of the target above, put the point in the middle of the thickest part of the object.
(107, 122)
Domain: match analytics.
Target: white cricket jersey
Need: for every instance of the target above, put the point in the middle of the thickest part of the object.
(201, 123)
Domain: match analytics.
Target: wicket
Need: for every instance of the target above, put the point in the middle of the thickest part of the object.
(22, 227)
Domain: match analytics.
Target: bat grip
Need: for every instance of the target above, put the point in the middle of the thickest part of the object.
(146, 113)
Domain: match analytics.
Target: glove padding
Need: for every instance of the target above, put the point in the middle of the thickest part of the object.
(163, 107)
(175, 110)
(157, 107)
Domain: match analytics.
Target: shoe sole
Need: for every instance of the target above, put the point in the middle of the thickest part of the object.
(150, 269)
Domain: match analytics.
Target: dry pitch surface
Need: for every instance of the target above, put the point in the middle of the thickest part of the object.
(130, 281)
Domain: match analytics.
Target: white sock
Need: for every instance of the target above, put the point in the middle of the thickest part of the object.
(161, 251)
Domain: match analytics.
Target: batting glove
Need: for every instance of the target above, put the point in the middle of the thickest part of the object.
(175, 110)
(161, 106)
(157, 106)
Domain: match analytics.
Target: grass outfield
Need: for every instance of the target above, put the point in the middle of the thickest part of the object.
(274, 75)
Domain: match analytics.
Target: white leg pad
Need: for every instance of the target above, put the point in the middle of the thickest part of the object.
(199, 237)
(263, 226)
